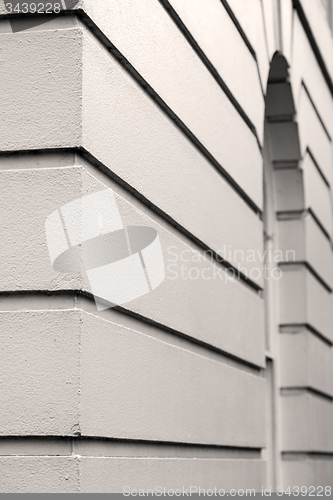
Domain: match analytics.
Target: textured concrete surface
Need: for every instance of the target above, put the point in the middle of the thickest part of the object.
(306, 361)
(39, 475)
(107, 474)
(140, 388)
(161, 164)
(184, 364)
(305, 68)
(314, 137)
(80, 374)
(149, 39)
(312, 307)
(201, 285)
(304, 241)
(40, 373)
(204, 19)
(249, 14)
(307, 423)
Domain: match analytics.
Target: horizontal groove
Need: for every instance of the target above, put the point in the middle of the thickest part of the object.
(211, 68)
(294, 328)
(75, 299)
(286, 215)
(286, 164)
(219, 260)
(316, 111)
(309, 152)
(278, 79)
(321, 227)
(162, 104)
(306, 455)
(239, 28)
(306, 26)
(108, 447)
(280, 118)
(309, 268)
(123, 61)
(300, 391)
(291, 214)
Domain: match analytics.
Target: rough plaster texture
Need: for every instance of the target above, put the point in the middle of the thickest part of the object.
(26, 264)
(68, 91)
(39, 475)
(40, 373)
(143, 32)
(150, 390)
(111, 475)
(80, 374)
(161, 163)
(42, 89)
(204, 19)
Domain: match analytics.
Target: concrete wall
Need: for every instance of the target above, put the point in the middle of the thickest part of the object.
(164, 103)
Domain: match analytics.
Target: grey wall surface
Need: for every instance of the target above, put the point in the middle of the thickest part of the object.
(175, 106)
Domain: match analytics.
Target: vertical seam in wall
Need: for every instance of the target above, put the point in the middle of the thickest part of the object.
(265, 28)
(292, 36)
(77, 457)
(82, 89)
(278, 24)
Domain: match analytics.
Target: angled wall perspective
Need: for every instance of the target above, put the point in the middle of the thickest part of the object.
(166, 245)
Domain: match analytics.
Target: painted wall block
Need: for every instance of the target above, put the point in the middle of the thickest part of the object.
(306, 361)
(218, 37)
(317, 17)
(314, 137)
(306, 423)
(40, 373)
(249, 14)
(284, 145)
(39, 475)
(307, 472)
(137, 387)
(83, 375)
(112, 474)
(194, 283)
(302, 240)
(160, 160)
(305, 69)
(304, 300)
(317, 194)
